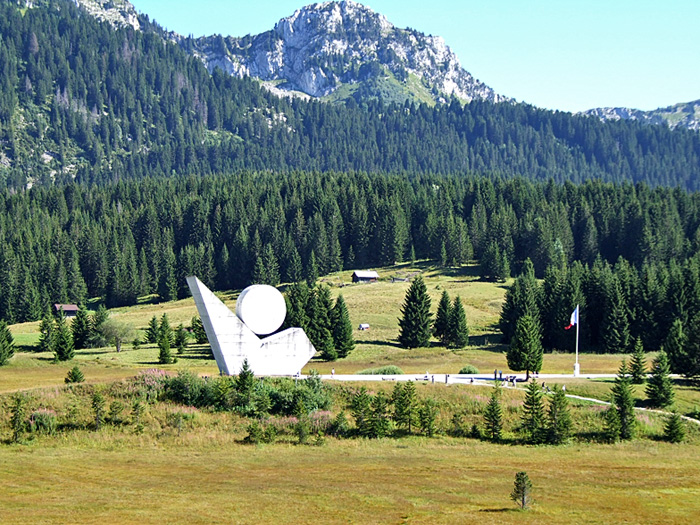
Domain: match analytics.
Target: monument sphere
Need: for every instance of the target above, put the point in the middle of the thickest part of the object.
(262, 308)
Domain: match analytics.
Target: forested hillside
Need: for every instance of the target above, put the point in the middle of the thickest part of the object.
(65, 243)
(80, 99)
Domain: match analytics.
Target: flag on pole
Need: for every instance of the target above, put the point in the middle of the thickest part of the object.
(574, 318)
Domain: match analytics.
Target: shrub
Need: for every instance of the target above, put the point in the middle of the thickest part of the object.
(185, 388)
(382, 370)
(43, 421)
(469, 369)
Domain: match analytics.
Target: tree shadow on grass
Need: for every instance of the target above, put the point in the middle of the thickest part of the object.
(379, 342)
(503, 509)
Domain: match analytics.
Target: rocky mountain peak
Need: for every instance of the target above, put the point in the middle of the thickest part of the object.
(341, 49)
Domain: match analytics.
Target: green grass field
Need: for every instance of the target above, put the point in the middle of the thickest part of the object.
(206, 474)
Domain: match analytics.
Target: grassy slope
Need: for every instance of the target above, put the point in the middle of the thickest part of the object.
(377, 304)
(205, 475)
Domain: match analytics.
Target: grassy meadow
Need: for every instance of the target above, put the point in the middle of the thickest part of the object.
(203, 472)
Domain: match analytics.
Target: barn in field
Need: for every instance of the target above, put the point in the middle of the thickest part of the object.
(365, 276)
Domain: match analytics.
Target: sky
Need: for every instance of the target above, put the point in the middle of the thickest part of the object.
(569, 55)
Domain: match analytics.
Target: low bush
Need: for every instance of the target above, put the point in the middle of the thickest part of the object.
(43, 421)
(389, 370)
(469, 369)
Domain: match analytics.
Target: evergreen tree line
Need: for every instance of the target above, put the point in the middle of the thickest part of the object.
(327, 325)
(621, 308)
(81, 98)
(120, 241)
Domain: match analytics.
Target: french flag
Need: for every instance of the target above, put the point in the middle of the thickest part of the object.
(574, 319)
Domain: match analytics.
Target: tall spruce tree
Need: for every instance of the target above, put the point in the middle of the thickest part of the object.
(63, 339)
(689, 361)
(558, 418)
(521, 299)
(659, 388)
(442, 318)
(525, 351)
(342, 328)
(457, 329)
(638, 365)
(81, 329)
(319, 325)
(297, 298)
(615, 329)
(7, 343)
(533, 420)
(623, 402)
(675, 347)
(414, 325)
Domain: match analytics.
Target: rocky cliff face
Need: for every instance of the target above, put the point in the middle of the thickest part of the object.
(685, 115)
(337, 49)
(119, 13)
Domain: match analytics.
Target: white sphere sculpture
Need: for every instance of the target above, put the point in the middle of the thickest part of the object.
(262, 308)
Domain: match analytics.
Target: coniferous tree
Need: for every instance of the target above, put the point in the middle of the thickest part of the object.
(152, 331)
(180, 339)
(675, 346)
(63, 340)
(533, 419)
(75, 375)
(611, 430)
(414, 325)
(81, 329)
(525, 351)
(615, 329)
(360, 407)
(319, 327)
(522, 490)
(165, 330)
(380, 424)
(558, 418)
(96, 339)
(297, 299)
(442, 318)
(623, 402)
(521, 299)
(405, 405)
(689, 362)
(493, 416)
(638, 363)
(197, 327)
(311, 273)
(164, 355)
(674, 431)
(7, 343)
(457, 329)
(427, 417)
(98, 407)
(659, 388)
(46, 339)
(342, 328)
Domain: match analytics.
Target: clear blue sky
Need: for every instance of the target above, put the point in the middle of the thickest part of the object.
(559, 54)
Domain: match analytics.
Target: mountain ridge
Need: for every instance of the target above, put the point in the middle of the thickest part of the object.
(334, 50)
(683, 114)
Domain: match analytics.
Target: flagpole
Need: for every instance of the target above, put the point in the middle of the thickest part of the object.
(577, 369)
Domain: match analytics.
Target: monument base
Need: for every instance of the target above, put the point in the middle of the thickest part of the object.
(577, 370)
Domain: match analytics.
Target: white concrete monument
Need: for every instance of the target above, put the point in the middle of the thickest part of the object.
(260, 310)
